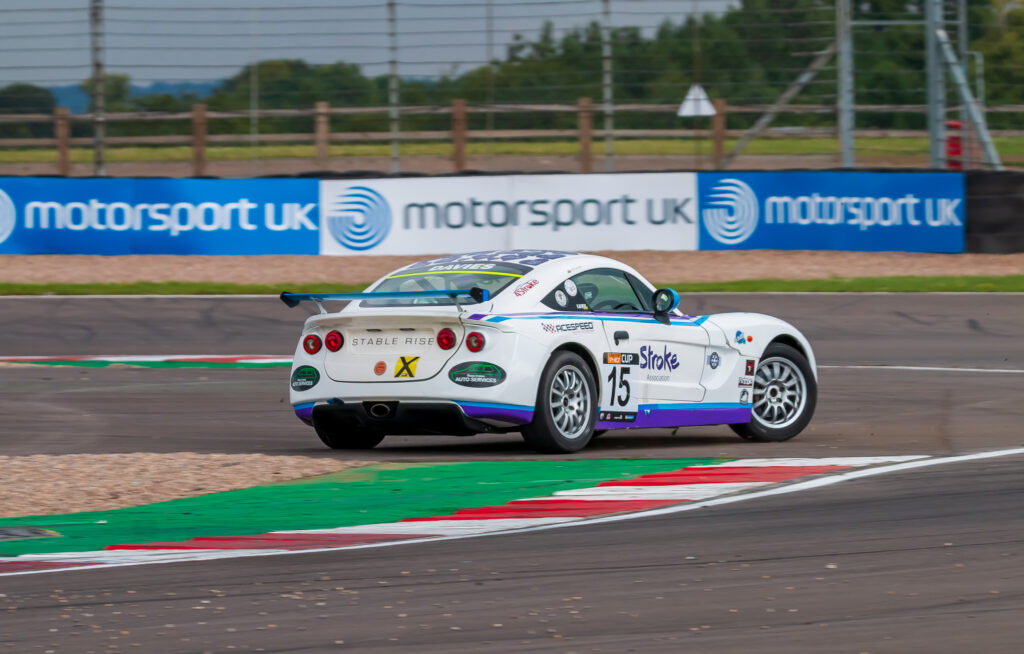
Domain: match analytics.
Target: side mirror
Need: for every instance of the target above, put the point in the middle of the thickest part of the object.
(664, 301)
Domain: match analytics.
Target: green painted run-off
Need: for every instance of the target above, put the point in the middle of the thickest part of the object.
(366, 495)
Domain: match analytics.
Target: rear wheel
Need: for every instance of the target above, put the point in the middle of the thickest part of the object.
(784, 396)
(344, 437)
(566, 409)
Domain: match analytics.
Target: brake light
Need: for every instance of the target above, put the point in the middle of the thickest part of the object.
(446, 339)
(475, 341)
(334, 341)
(311, 344)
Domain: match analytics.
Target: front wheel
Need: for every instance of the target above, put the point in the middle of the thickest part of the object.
(566, 410)
(784, 396)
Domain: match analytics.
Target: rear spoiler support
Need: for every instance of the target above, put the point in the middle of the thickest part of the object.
(477, 294)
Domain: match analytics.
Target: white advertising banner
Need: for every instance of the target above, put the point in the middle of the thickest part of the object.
(434, 215)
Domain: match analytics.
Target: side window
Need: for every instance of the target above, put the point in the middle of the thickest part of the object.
(642, 292)
(567, 296)
(604, 289)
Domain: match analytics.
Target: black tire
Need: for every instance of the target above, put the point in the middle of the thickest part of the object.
(760, 427)
(577, 416)
(338, 437)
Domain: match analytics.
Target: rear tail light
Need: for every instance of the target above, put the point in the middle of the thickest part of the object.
(334, 341)
(311, 344)
(446, 339)
(475, 341)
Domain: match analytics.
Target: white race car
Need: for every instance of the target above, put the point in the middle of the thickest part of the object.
(559, 346)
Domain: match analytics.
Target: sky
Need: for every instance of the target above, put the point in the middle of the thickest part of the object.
(46, 42)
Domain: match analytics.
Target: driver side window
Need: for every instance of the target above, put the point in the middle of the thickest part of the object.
(603, 289)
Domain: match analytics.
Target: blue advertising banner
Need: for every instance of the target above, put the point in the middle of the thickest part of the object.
(41, 215)
(910, 212)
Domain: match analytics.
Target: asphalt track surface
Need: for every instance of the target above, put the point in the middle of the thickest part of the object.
(922, 560)
(861, 411)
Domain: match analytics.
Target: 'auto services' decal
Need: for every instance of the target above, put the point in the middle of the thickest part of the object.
(305, 378)
(477, 374)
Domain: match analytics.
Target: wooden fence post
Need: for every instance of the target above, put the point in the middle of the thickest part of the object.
(198, 140)
(585, 125)
(62, 134)
(322, 134)
(718, 131)
(459, 134)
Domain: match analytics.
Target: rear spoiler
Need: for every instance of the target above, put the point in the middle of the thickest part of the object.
(477, 294)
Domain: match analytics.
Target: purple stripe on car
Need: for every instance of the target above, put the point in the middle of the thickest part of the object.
(679, 418)
(304, 412)
(503, 412)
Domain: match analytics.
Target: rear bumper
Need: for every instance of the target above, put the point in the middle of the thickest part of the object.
(394, 418)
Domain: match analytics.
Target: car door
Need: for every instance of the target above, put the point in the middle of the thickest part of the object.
(647, 362)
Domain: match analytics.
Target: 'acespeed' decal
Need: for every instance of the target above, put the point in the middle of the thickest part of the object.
(477, 374)
(305, 378)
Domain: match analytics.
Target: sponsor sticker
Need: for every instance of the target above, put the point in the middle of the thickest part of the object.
(380, 368)
(560, 298)
(477, 374)
(714, 360)
(617, 416)
(406, 367)
(747, 382)
(304, 378)
(750, 367)
(652, 360)
(742, 338)
(622, 358)
(525, 287)
(389, 341)
(583, 307)
(744, 396)
(556, 327)
(570, 287)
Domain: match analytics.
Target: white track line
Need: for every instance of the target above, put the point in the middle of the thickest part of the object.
(438, 527)
(851, 461)
(1012, 371)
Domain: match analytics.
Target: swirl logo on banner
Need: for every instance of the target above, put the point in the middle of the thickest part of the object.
(733, 214)
(8, 216)
(359, 218)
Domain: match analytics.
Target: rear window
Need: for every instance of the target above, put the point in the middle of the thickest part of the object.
(493, 276)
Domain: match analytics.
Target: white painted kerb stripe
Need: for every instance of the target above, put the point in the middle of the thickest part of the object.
(441, 527)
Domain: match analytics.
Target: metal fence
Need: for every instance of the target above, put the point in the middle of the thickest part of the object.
(246, 87)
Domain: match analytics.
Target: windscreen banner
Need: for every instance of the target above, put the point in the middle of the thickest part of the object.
(426, 215)
(41, 215)
(856, 211)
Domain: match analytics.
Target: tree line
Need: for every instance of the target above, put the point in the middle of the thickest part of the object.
(747, 55)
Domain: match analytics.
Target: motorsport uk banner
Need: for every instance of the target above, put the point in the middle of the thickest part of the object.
(916, 212)
(910, 212)
(45, 215)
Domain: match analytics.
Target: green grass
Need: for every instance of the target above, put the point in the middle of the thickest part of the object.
(1011, 149)
(990, 284)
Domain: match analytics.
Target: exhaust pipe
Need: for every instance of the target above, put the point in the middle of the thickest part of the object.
(380, 410)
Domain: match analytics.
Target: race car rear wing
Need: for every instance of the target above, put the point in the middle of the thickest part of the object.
(477, 294)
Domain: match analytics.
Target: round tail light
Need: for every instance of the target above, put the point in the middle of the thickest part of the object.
(311, 344)
(334, 341)
(475, 341)
(446, 339)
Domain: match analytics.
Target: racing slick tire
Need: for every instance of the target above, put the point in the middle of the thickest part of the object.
(783, 397)
(337, 437)
(566, 408)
